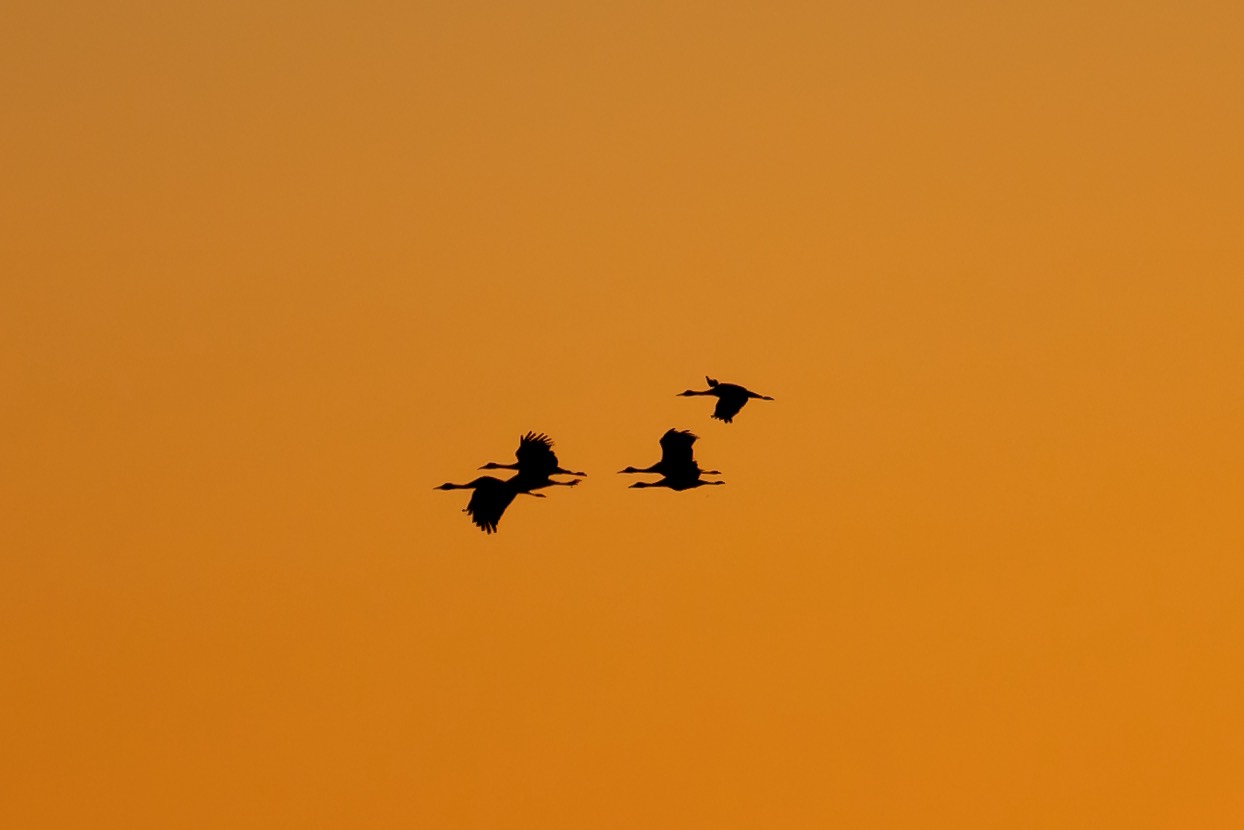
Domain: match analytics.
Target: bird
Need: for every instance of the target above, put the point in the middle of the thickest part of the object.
(535, 463)
(685, 479)
(678, 468)
(730, 398)
(489, 500)
(676, 454)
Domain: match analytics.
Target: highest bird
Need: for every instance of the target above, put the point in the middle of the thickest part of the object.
(730, 398)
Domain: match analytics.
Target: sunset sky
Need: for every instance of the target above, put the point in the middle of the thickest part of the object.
(270, 271)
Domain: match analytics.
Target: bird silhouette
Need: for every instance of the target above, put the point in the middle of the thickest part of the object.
(489, 500)
(730, 398)
(685, 479)
(676, 454)
(535, 463)
(678, 467)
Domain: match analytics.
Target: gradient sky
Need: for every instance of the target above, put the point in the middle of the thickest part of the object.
(272, 270)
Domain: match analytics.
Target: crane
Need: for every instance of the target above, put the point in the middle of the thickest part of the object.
(730, 398)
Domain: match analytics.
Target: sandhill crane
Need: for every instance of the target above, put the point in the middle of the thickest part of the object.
(489, 500)
(536, 462)
(686, 479)
(730, 398)
(678, 468)
(676, 454)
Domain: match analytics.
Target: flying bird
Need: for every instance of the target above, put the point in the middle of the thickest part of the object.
(676, 454)
(536, 463)
(489, 500)
(685, 479)
(678, 467)
(730, 398)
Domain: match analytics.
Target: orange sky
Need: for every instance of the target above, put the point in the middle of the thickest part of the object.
(273, 270)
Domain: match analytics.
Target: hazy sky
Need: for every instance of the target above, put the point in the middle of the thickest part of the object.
(270, 271)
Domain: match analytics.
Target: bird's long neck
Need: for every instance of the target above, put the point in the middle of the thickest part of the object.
(652, 469)
(493, 465)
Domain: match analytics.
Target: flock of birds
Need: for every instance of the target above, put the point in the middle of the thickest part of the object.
(536, 463)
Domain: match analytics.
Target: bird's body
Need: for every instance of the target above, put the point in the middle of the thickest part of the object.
(682, 480)
(730, 398)
(678, 468)
(536, 464)
(489, 500)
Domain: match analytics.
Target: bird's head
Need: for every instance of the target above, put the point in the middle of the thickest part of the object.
(492, 465)
(686, 393)
(445, 486)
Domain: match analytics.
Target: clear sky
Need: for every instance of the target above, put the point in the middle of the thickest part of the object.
(270, 271)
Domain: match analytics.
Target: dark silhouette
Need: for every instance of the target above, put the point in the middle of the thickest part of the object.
(682, 480)
(490, 499)
(536, 462)
(678, 468)
(730, 398)
(676, 454)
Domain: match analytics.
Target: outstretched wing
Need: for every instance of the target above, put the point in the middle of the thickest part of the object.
(489, 502)
(535, 454)
(676, 448)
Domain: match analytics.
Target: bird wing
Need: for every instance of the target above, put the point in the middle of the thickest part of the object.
(728, 406)
(535, 453)
(676, 447)
(684, 477)
(488, 503)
